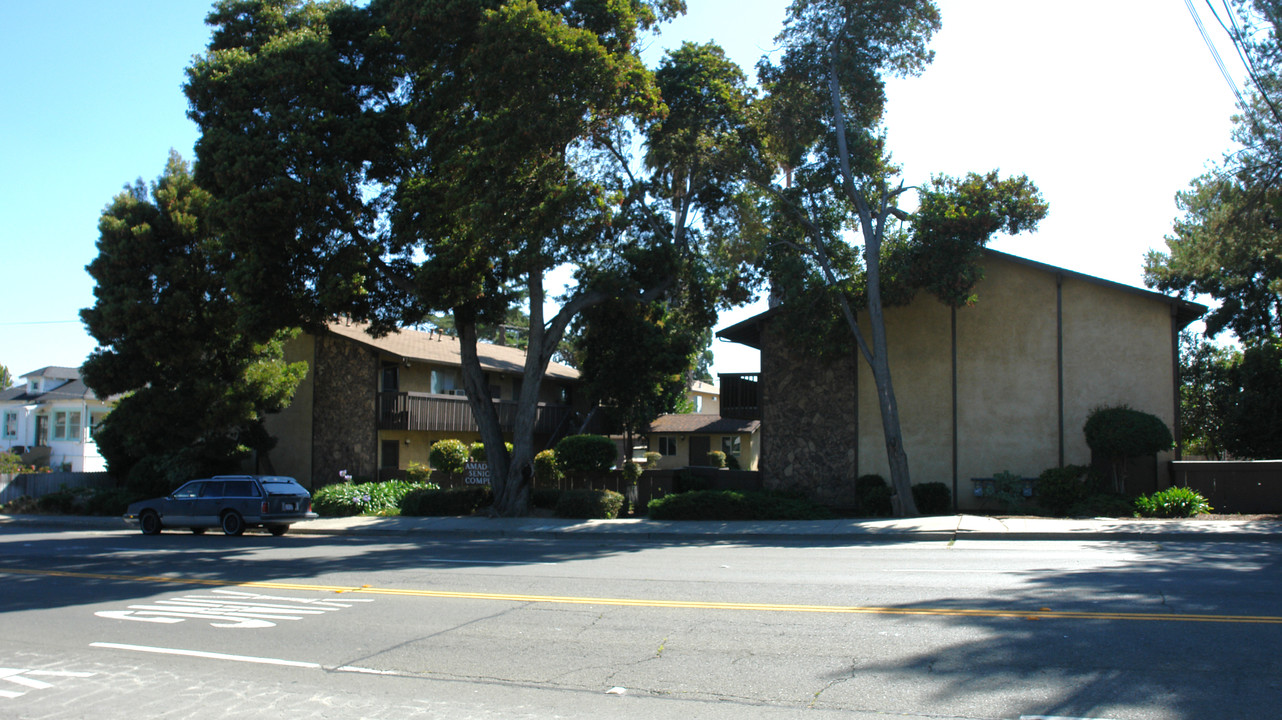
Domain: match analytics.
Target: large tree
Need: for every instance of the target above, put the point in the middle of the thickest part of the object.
(195, 386)
(826, 97)
(1228, 242)
(412, 156)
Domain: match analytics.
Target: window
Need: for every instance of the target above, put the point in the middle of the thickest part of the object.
(731, 445)
(11, 423)
(66, 425)
(95, 422)
(189, 491)
(444, 382)
(667, 445)
(391, 378)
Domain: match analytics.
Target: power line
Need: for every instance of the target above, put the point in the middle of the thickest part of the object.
(1219, 61)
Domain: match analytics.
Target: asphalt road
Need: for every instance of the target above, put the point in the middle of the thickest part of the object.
(115, 624)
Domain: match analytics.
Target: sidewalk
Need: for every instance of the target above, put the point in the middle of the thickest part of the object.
(948, 527)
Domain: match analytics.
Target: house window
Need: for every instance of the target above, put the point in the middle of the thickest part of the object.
(66, 425)
(10, 424)
(731, 445)
(444, 382)
(667, 445)
(391, 378)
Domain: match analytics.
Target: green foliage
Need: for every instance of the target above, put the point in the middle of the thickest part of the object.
(388, 160)
(1173, 502)
(11, 463)
(196, 384)
(372, 498)
(418, 473)
(732, 462)
(652, 459)
(546, 472)
(1006, 492)
(1253, 422)
(545, 498)
(589, 504)
(6, 378)
(631, 472)
(1206, 395)
(933, 498)
(103, 502)
(734, 505)
(476, 451)
(447, 501)
(1120, 432)
(585, 453)
(717, 459)
(1102, 505)
(873, 496)
(1060, 488)
(448, 456)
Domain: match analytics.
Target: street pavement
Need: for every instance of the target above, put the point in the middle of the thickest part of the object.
(972, 527)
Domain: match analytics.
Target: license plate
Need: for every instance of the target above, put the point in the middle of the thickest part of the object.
(287, 506)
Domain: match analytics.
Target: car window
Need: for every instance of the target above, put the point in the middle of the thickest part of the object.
(240, 488)
(190, 490)
(212, 490)
(281, 486)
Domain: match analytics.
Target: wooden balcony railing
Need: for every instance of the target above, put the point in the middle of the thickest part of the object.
(740, 396)
(448, 413)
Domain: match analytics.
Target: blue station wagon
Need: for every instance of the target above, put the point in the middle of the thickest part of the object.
(230, 502)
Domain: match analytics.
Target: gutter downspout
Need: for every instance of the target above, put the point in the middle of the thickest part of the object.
(1059, 358)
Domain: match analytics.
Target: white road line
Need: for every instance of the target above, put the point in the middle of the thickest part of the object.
(1055, 717)
(206, 655)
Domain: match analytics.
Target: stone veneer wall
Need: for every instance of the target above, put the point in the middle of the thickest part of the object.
(810, 432)
(344, 414)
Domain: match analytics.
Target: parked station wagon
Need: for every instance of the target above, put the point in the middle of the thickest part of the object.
(230, 502)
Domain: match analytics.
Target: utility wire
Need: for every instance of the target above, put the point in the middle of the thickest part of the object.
(1219, 61)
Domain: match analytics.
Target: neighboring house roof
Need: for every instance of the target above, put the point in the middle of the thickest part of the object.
(442, 349)
(696, 423)
(704, 388)
(72, 388)
(748, 332)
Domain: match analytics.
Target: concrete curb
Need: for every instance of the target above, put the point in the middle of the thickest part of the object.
(956, 527)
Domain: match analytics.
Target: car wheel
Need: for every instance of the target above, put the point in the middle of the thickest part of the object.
(150, 523)
(198, 531)
(277, 529)
(233, 524)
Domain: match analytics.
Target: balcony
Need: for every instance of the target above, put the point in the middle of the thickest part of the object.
(448, 413)
(740, 396)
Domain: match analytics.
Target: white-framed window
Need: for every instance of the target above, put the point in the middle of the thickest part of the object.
(66, 425)
(10, 424)
(731, 445)
(95, 421)
(667, 445)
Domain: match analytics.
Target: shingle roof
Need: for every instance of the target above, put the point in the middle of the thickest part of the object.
(702, 423)
(73, 389)
(445, 350)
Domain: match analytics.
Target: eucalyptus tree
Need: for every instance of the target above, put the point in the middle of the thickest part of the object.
(405, 157)
(825, 99)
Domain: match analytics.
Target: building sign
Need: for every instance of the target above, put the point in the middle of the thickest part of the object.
(476, 473)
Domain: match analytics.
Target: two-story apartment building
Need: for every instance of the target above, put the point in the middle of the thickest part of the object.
(49, 418)
(370, 406)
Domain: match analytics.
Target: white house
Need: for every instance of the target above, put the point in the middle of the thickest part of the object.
(49, 419)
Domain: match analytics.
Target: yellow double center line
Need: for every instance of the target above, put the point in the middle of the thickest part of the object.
(1038, 614)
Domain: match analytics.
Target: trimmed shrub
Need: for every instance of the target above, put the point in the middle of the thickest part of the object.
(652, 459)
(1174, 502)
(1102, 505)
(717, 459)
(732, 462)
(1060, 488)
(631, 472)
(424, 502)
(873, 496)
(418, 473)
(545, 498)
(585, 453)
(933, 498)
(476, 451)
(546, 473)
(110, 501)
(733, 505)
(589, 504)
(448, 456)
(1118, 433)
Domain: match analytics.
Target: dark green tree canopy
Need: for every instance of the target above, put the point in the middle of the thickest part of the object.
(195, 385)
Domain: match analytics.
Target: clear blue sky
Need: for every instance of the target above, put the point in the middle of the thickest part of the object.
(1110, 107)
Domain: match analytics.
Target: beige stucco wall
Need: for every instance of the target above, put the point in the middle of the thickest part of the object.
(1117, 349)
(292, 427)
